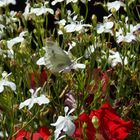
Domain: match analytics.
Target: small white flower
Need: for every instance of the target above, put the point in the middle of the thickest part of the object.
(116, 58)
(56, 1)
(71, 46)
(3, 134)
(19, 39)
(26, 10)
(69, 1)
(89, 50)
(34, 99)
(41, 10)
(135, 28)
(115, 4)
(129, 36)
(64, 124)
(75, 27)
(6, 2)
(105, 27)
(37, 11)
(61, 22)
(2, 27)
(5, 82)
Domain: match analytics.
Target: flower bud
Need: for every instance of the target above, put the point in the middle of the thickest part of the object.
(113, 11)
(95, 122)
(84, 125)
(94, 19)
(123, 18)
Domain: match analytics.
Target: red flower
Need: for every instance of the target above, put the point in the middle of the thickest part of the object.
(84, 128)
(21, 135)
(42, 133)
(43, 77)
(38, 79)
(33, 81)
(110, 125)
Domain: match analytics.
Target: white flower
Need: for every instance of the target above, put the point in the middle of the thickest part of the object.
(115, 4)
(26, 10)
(37, 11)
(5, 82)
(71, 46)
(34, 99)
(105, 27)
(69, 1)
(64, 124)
(19, 39)
(90, 50)
(56, 1)
(6, 2)
(3, 134)
(75, 27)
(129, 36)
(61, 22)
(116, 58)
(41, 10)
(84, 1)
(2, 27)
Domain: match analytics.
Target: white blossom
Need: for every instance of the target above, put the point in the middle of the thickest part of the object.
(64, 124)
(7, 2)
(116, 5)
(90, 50)
(129, 36)
(37, 11)
(69, 1)
(56, 1)
(75, 27)
(61, 22)
(105, 27)
(18, 39)
(42, 99)
(2, 27)
(4, 82)
(41, 10)
(116, 58)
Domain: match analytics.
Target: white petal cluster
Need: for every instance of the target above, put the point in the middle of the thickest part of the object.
(37, 11)
(115, 5)
(42, 99)
(105, 27)
(7, 2)
(116, 58)
(64, 124)
(4, 82)
(129, 36)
